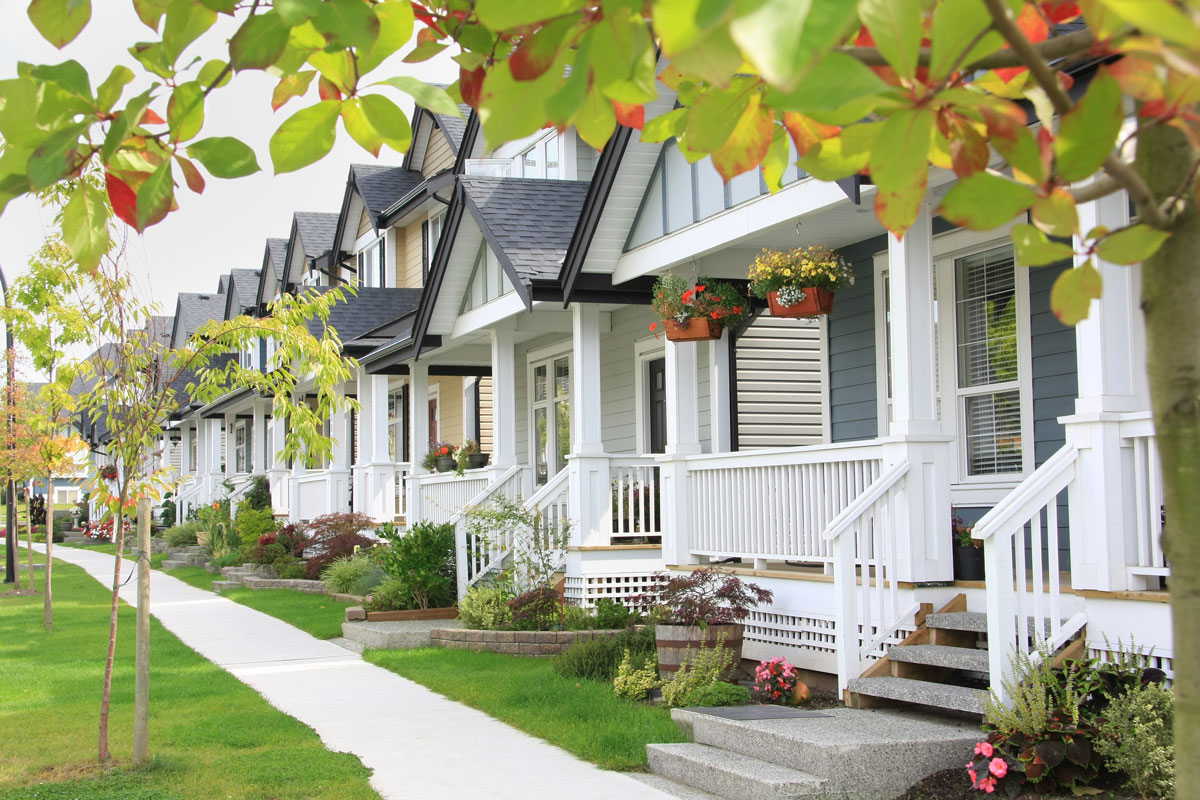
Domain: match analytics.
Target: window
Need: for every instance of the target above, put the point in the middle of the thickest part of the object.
(192, 438)
(397, 425)
(241, 448)
(431, 231)
(552, 158)
(551, 412)
(987, 360)
(539, 160)
(488, 280)
(531, 163)
(372, 266)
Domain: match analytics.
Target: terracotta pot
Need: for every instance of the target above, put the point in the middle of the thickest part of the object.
(696, 329)
(815, 303)
(968, 563)
(478, 460)
(446, 463)
(674, 641)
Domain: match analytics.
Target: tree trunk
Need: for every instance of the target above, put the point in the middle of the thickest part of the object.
(1171, 300)
(29, 551)
(47, 596)
(106, 695)
(141, 692)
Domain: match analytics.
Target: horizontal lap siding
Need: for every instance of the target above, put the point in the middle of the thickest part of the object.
(438, 155)
(618, 371)
(779, 384)
(485, 415)
(852, 393)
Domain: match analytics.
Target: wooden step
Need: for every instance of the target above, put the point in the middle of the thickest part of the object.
(936, 655)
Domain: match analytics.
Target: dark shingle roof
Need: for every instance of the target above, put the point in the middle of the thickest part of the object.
(528, 221)
(316, 230)
(381, 186)
(367, 310)
(245, 288)
(277, 251)
(223, 284)
(455, 127)
(193, 310)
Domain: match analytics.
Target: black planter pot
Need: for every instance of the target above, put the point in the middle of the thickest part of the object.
(968, 563)
(446, 464)
(478, 460)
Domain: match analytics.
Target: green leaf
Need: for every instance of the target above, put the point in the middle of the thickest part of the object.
(1073, 293)
(782, 38)
(596, 119)
(70, 75)
(389, 120)
(336, 67)
(424, 51)
(211, 71)
(1131, 245)
(537, 51)
(1055, 213)
(1088, 132)
(395, 29)
(1158, 18)
(152, 57)
(984, 201)
(896, 27)
(956, 23)
(221, 6)
(563, 104)
(748, 144)
(714, 58)
(714, 115)
(359, 128)
(289, 86)
(775, 162)
(504, 14)
(294, 12)
(60, 21)
(347, 23)
(842, 155)
(55, 158)
(260, 42)
(1034, 249)
(899, 167)
(85, 225)
(832, 82)
(185, 111)
(680, 24)
(109, 92)
(665, 126)
(150, 12)
(155, 196)
(427, 96)
(511, 109)
(186, 21)
(224, 157)
(125, 122)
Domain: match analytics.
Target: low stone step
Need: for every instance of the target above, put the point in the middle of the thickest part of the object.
(936, 655)
(349, 644)
(220, 586)
(731, 775)
(299, 584)
(671, 787)
(971, 621)
(860, 753)
(404, 635)
(925, 693)
(172, 563)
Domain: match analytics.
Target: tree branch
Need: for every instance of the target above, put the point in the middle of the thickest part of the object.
(1050, 50)
(1100, 186)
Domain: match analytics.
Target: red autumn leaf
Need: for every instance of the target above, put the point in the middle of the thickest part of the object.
(470, 85)
(151, 118)
(429, 35)
(969, 151)
(630, 115)
(1033, 25)
(195, 181)
(424, 15)
(328, 90)
(1138, 78)
(1058, 11)
(806, 131)
(122, 198)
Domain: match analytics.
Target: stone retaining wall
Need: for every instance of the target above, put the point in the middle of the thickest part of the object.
(309, 587)
(525, 643)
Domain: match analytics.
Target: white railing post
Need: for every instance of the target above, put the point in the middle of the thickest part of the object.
(418, 435)
(1001, 611)
(846, 611)
(1099, 525)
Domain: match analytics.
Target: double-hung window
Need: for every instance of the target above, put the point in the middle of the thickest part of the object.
(551, 415)
(372, 264)
(397, 425)
(241, 447)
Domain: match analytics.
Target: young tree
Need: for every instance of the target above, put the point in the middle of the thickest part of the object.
(885, 88)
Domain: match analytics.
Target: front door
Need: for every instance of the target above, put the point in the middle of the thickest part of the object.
(657, 410)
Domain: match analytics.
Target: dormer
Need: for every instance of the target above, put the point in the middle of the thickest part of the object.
(311, 237)
(271, 275)
(547, 154)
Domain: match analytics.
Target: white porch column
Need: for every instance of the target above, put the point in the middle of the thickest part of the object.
(230, 449)
(418, 434)
(719, 383)
(504, 399)
(683, 439)
(338, 485)
(1110, 353)
(258, 444)
(281, 495)
(590, 494)
(923, 524)
(373, 471)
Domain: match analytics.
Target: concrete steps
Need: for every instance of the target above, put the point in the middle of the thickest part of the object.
(918, 692)
(402, 635)
(970, 621)
(937, 655)
(192, 556)
(835, 753)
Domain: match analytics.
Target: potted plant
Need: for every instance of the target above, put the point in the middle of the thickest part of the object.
(695, 312)
(799, 282)
(469, 456)
(441, 457)
(968, 552)
(703, 608)
(108, 472)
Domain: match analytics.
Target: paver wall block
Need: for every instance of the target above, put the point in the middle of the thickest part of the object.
(474, 636)
(354, 613)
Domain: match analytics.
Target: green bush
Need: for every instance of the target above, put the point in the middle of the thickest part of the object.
(636, 676)
(258, 496)
(289, 568)
(350, 574)
(485, 607)
(608, 615)
(251, 523)
(1137, 739)
(391, 595)
(182, 535)
(714, 694)
(166, 517)
(599, 659)
(231, 558)
(423, 560)
(699, 670)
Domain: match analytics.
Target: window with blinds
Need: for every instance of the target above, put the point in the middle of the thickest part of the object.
(986, 345)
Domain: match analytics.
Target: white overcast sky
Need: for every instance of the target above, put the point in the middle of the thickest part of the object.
(224, 228)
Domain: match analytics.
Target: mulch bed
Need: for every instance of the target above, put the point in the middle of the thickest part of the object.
(954, 784)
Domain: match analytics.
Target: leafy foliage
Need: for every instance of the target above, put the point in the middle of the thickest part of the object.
(707, 596)
(485, 606)
(675, 297)
(334, 536)
(536, 547)
(538, 609)
(251, 523)
(258, 497)
(601, 657)
(356, 574)
(1136, 739)
(423, 560)
(636, 676)
(699, 671)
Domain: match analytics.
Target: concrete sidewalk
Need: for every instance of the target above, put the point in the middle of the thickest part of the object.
(418, 743)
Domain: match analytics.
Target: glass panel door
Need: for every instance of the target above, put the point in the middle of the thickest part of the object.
(550, 395)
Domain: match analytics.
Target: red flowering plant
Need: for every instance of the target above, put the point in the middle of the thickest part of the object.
(439, 450)
(775, 681)
(108, 472)
(676, 298)
(103, 532)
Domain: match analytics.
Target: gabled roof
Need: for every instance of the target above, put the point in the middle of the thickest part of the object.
(193, 310)
(380, 186)
(276, 256)
(454, 127)
(312, 236)
(223, 284)
(369, 308)
(243, 292)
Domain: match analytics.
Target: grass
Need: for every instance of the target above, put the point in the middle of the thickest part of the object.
(580, 716)
(109, 548)
(211, 736)
(199, 577)
(315, 614)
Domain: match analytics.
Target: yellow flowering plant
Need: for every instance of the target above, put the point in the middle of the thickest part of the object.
(815, 266)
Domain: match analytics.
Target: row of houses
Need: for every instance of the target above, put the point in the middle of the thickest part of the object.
(503, 297)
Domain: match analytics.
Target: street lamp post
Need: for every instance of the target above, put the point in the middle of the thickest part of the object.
(10, 528)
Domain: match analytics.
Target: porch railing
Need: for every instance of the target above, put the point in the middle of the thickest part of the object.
(443, 495)
(862, 539)
(636, 505)
(776, 504)
(400, 492)
(1021, 560)
(312, 494)
(475, 557)
(1147, 487)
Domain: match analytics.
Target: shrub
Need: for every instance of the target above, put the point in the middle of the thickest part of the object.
(611, 615)
(289, 568)
(1137, 739)
(636, 676)
(166, 516)
(252, 523)
(391, 595)
(698, 670)
(715, 694)
(600, 659)
(258, 496)
(485, 607)
(292, 538)
(182, 535)
(61, 523)
(535, 610)
(231, 558)
(708, 597)
(267, 550)
(37, 509)
(343, 575)
(423, 560)
(333, 536)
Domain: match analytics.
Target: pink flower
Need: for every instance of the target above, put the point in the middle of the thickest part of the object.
(988, 785)
(984, 749)
(998, 767)
(974, 777)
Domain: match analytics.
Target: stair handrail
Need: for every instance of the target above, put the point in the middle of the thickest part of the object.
(861, 504)
(1042, 485)
(458, 519)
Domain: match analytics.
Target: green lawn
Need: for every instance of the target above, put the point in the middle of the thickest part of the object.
(199, 577)
(110, 548)
(211, 736)
(316, 614)
(581, 716)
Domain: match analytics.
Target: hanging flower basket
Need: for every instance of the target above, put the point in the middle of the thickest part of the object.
(806, 302)
(695, 312)
(108, 472)
(799, 282)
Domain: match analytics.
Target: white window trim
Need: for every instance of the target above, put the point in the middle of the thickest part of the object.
(982, 489)
(362, 244)
(644, 351)
(548, 354)
(433, 391)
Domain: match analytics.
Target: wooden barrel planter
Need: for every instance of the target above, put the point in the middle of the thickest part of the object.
(674, 642)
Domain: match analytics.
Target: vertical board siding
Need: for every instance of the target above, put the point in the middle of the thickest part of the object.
(779, 384)
(853, 412)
